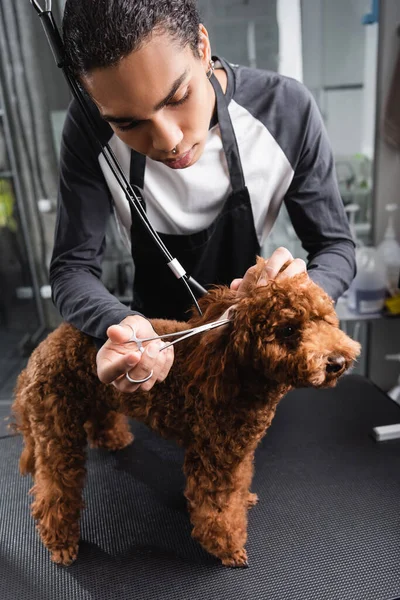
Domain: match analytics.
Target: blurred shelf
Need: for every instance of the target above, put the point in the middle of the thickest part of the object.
(348, 194)
(344, 314)
(6, 174)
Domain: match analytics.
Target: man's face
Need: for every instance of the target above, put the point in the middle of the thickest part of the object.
(158, 98)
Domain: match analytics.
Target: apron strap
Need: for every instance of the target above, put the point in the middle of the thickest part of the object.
(228, 136)
(137, 168)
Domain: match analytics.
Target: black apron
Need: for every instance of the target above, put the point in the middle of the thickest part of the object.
(217, 255)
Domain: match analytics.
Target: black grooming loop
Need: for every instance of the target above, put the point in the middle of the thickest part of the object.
(56, 45)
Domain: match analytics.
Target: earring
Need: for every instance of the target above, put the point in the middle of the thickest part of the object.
(211, 66)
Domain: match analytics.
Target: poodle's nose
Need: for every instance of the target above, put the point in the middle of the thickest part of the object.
(335, 363)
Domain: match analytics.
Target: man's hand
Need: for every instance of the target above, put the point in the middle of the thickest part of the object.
(273, 265)
(117, 357)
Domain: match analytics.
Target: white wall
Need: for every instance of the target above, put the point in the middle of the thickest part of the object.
(370, 89)
(243, 32)
(265, 34)
(339, 51)
(290, 61)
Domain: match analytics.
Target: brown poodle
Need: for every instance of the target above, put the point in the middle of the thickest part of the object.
(217, 402)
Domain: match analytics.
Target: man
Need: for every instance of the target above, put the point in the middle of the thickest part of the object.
(216, 149)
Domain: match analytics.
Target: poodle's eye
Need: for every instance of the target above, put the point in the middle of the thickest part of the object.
(287, 332)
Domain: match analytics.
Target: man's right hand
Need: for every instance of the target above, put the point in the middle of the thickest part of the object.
(117, 357)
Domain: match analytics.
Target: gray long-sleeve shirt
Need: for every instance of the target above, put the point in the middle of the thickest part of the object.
(286, 158)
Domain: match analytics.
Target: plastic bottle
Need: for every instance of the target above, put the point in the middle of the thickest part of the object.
(368, 290)
(389, 252)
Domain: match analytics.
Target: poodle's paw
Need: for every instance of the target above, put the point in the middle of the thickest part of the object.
(252, 499)
(113, 441)
(65, 556)
(27, 462)
(237, 559)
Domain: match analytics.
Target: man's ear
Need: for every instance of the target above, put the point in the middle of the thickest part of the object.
(204, 48)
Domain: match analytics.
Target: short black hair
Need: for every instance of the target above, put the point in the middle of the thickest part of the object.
(99, 33)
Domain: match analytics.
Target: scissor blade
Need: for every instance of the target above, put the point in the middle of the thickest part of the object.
(195, 331)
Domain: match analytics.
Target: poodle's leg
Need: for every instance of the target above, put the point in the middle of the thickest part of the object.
(248, 470)
(27, 458)
(110, 431)
(218, 503)
(22, 425)
(57, 490)
(252, 499)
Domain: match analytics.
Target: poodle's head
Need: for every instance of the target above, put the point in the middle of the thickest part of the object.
(287, 331)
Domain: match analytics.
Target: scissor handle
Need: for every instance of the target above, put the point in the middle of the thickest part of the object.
(139, 341)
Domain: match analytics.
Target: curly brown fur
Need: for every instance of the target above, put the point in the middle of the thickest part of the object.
(218, 401)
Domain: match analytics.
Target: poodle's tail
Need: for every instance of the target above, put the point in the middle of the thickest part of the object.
(21, 424)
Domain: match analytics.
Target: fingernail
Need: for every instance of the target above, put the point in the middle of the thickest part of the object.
(152, 350)
(130, 329)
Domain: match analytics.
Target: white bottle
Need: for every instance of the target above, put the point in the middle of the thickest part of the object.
(367, 292)
(389, 252)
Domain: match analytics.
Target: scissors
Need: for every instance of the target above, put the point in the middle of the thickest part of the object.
(183, 334)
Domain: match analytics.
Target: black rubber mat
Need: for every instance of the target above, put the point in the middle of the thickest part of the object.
(11, 364)
(5, 410)
(327, 526)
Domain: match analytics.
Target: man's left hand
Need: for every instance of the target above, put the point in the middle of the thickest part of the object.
(273, 266)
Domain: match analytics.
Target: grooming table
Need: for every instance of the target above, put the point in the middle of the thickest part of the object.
(327, 526)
